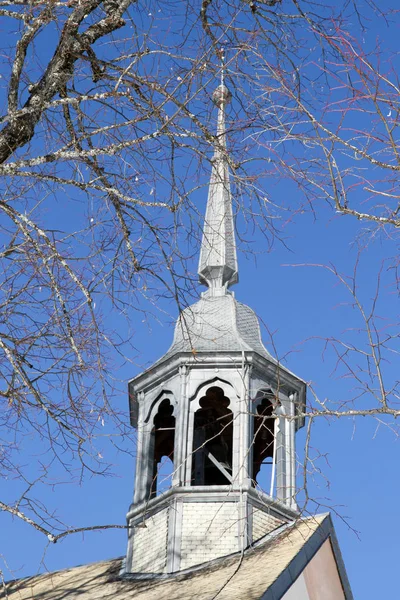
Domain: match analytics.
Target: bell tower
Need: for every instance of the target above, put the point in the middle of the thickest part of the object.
(218, 407)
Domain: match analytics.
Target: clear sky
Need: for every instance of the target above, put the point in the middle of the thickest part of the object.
(301, 306)
(361, 459)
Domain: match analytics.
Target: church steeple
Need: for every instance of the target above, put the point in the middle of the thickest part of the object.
(219, 410)
(218, 262)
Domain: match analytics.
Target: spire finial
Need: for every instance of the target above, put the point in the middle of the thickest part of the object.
(222, 96)
(218, 263)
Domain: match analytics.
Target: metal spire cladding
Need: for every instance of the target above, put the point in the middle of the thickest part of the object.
(218, 267)
(218, 322)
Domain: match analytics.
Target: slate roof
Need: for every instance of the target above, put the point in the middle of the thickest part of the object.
(266, 571)
(217, 324)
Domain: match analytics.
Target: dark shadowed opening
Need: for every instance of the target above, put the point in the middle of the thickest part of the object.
(212, 440)
(263, 442)
(164, 440)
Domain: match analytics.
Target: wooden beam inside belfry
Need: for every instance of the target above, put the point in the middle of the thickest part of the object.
(219, 466)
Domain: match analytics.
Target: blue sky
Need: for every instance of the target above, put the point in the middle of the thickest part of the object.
(361, 462)
(301, 306)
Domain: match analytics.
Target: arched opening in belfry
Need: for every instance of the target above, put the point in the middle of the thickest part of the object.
(263, 443)
(165, 471)
(212, 440)
(164, 440)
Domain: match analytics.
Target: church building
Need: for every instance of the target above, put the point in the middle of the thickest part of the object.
(223, 413)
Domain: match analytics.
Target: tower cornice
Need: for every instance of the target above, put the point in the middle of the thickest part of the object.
(278, 375)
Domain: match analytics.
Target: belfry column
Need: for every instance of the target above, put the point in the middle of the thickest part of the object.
(144, 463)
(244, 420)
(180, 465)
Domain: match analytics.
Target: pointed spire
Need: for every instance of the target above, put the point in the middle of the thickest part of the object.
(218, 263)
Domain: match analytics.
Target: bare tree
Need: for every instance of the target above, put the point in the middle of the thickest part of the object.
(105, 140)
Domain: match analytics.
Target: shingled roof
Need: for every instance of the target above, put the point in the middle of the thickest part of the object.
(217, 324)
(265, 571)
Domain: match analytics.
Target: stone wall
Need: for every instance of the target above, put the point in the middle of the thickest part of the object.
(263, 523)
(177, 531)
(150, 544)
(209, 530)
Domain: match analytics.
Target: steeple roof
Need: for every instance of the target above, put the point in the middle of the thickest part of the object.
(218, 267)
(218, 322)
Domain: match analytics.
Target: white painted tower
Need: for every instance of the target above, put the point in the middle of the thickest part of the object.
(219, 406)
